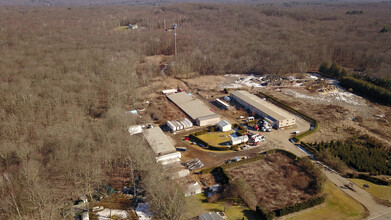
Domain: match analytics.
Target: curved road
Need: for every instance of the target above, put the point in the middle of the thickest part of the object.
(376, 211)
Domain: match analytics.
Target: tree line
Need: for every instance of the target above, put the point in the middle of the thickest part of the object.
(362, 153)
(375, 89)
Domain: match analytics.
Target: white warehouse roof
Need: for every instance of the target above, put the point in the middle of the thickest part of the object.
(262, 105)
(193, 107)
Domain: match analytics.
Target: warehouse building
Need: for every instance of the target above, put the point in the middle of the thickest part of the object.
(194, 108)
(278, 117)
(162, 147)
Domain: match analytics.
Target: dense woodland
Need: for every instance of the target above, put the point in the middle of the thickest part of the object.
(363, 153)
(67, 76)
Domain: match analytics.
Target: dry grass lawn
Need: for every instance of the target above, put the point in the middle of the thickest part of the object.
(200, 206)
(338, 206)
(379, 191)
(216, 138)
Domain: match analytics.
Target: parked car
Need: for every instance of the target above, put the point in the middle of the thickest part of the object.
(250, 119)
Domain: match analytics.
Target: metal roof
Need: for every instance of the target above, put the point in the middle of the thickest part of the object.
(210, 216)
(223, 123)
(158, 141)
(262, 105)
(195, 108)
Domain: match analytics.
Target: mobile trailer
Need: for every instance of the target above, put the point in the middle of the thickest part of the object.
(188, 121)
(171, 126)
(179, 124)
(178, 127)
(222, 104)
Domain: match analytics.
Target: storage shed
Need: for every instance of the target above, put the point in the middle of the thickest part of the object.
(224, 125)
(238, 140)
(211, 216)
(192, 188)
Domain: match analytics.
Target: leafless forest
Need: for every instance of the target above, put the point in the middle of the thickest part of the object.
(67, 76)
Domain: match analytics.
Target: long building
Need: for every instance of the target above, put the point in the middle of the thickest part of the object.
(198, 111)
(162, 147)
(277, 116)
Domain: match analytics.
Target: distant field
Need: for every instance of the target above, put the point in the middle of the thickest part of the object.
(338, 205)
(381, 192)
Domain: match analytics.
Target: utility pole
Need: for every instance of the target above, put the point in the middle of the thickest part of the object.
(176, 54)
(174, 27)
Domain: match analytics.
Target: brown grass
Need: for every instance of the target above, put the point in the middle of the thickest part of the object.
(277, 182)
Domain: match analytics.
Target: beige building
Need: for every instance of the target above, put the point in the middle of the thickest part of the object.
(207, 120)
(194, 108)
(162, 147)
(275, 115)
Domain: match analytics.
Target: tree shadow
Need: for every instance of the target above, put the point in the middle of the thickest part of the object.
(250, 214)
(224, 143)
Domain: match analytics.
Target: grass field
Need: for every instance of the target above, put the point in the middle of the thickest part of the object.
(338, 206)
(200, 206)
(216, 138)
(379, 191)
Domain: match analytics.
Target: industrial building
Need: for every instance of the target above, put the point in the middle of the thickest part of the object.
(224, 125)
(278, 117)
(194, 108)
(162, 147)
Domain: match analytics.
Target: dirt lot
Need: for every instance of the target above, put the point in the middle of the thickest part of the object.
(276, 181)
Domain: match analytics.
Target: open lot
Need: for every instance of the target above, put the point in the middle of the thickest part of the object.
(277, 181)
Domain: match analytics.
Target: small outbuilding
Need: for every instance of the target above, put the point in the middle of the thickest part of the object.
(192, 188)
(238, 140)
(224, 125)
(212, 216)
